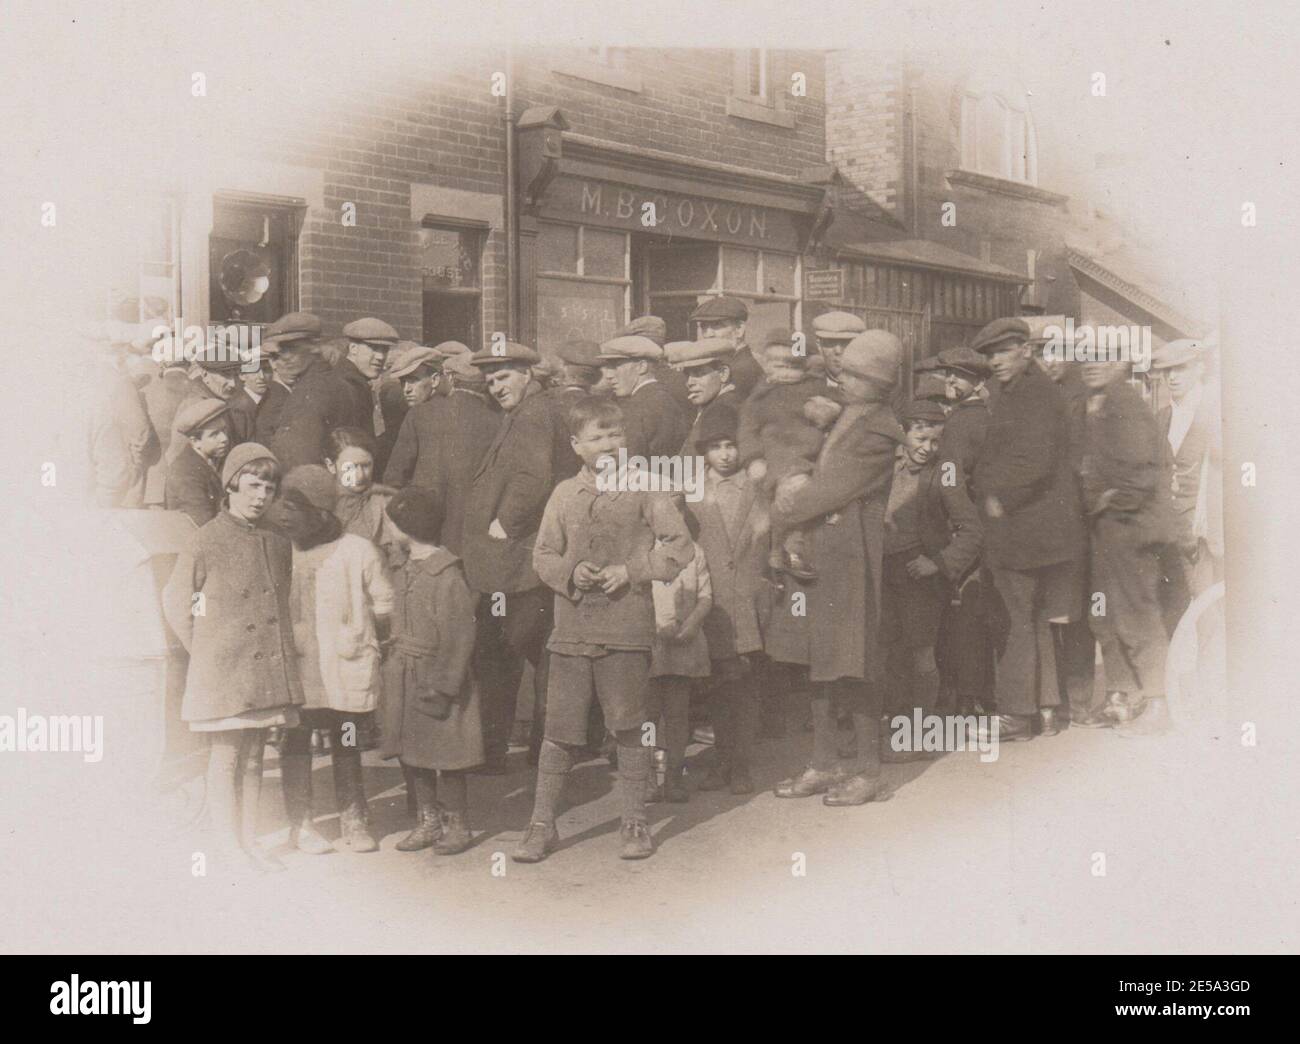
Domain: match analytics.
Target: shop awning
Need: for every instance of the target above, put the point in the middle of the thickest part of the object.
(922, 253)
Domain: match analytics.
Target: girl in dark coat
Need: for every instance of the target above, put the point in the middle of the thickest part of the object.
(431, 712)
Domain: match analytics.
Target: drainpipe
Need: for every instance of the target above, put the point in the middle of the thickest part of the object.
(915, 206)
(512, 203)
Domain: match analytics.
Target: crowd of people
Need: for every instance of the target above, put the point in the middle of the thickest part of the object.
(392, 537)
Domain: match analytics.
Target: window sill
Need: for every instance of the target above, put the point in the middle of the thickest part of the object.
(595, 72)
(1018, 189)
(758, 112)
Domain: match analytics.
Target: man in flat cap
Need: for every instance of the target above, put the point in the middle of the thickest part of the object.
(1124, 477)
(932, 538)
(726, 317)
(656, 329)
(215, 373)
(440, 444)
(1190, 424)
(832, 331)
(508, 493)
(369, 342)
(194, 476)
(844, 501)
(706, 365)
(577, 372)
(1034, 533)
(655, 425)
(320, 400)
(929, 383)
(247, 400)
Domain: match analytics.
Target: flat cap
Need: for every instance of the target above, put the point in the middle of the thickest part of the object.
(718, 421)
(579, 353)
(371, 331)
(294, 326)
(449, 348)
(838, 326)
(620, 349)
(874, 355)
(999, 332)
(778, 335)
(509, 352)
(413, 358)
(244, 453)
(922, 410)
(196, 414)
(218, 358)
(927, 365)
(721, 309)
(966, 360)
(1177, 353)
(650, 326)
(463, 371)
(930, 386)
(707, 350)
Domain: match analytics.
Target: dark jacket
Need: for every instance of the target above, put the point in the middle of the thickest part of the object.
(745, 370)
(269, 410)
(440, 446)
(1025, 464)
(737, 557)
(511, 484)
(193, 486)
(319, 402)
(1122, 452)
(562, 399)
(949, 525)
(243, 418)
(363, 400)
(675, 382)
(655, 424)
(773, 428)
(242, 656)
(963, 439)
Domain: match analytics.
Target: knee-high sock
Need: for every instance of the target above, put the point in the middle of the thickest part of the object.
(553, 764)
(453, 788)
(634, 762)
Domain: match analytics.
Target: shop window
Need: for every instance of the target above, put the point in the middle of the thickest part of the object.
(769, 284)
(451, 263)
(252, 260)
(997, 138)
(584, 286)
(145, 283)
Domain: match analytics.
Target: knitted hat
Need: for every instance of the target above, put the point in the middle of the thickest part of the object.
(244, 453)
(417, 512)
(874, 355)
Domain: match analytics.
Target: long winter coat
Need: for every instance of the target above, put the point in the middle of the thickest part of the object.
(432, 652)
(319, 402)
(239, 637)
(845, 501)
(439, 447)
(338, 589)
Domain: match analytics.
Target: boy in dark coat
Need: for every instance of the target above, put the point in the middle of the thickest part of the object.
(932, 541)
(599, 548)
(193, 482)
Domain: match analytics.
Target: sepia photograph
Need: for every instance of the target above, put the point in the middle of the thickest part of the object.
(737, 478)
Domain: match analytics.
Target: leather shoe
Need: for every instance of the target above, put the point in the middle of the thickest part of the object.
(856, 790)
(1048, 722)
(809, 782)
(1012, 728)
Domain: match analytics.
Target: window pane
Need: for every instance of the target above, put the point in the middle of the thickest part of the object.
(778, 273)
(603, 253)
(449, 258)
(765, 316)
(991, 136)
(683, 266)
(569, 310)
(558, 248)
(739, 269)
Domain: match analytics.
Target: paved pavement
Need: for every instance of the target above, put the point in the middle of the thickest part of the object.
(1083, 842)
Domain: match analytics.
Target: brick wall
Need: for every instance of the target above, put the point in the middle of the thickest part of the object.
(375, 134)
(864, 123)
(682, 106)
